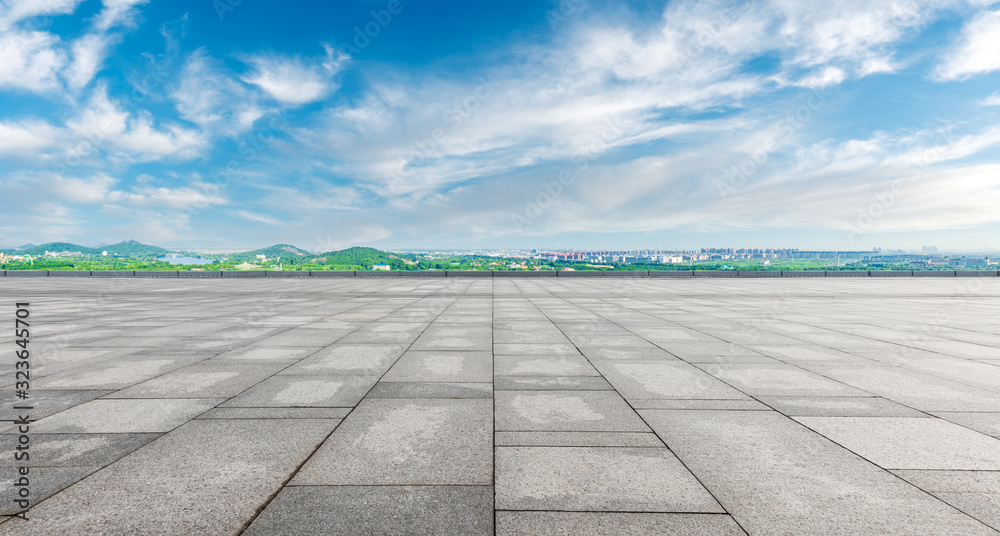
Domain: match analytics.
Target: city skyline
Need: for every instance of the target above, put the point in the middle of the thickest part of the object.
(591, 125)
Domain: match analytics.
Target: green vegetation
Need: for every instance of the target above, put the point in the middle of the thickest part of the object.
(287, 257)
(128, 248)
(132, 255)
(361, 258)
(58, 247)
(131, 248)
(273, 252)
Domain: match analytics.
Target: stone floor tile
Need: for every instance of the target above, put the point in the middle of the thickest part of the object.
(614, 523)
(552, 383)
(124, 416)
(442, 366)
(481, 343)
(839, 406)
(545, 350)
(44, 482)
(202, 380)
(75, 450)
(115, 374)
(869, 362)
(779, 380)
(987, 423)
(275, 413)
(207, 477)
(388, 510)
(385, 389)
(696, 404)
(950, 481)
(982, 506)
(569, 411)
(520, 365)
(266, 354)
(775, 476)
(616, 479)
(577, 439)
(910, 443)
(45, 403)
(915, 389)
(358, 359)
(407, 442)
(315, 391)
(664, 379)
(626, 353)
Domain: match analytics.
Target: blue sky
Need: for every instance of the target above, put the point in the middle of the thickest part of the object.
(840, 124)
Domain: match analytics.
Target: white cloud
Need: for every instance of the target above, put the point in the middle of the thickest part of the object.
(554, 104)
(829, 76)
(310, 197)
(59, 189)
(150, 214)
(992, 100)
(18, 139)
(291, 80)
(100, 119)
(210, 98)
(877, 64)
(117, 12)
(404, 141)
(13, 11)
(103, 189)
(845, 30)
(252, 216)
(657, 194)
(851, 35)
(109, 127)
(152, 143)
(951, 149)
(684, 96)
(89, 53)
(196, 197)
(91, 190)
(977, 50)
(30, 60)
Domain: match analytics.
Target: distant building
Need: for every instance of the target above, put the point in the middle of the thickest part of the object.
(829, 254)
(980, 263)
(381, 267)
(896, 258)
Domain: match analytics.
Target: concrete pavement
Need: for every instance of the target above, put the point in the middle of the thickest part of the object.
(504, 405)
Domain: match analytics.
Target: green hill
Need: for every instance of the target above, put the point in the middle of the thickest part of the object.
(58, 247)
(128, 248)
(285, 251)
(364, 258)
(131, 248)
(285, 255)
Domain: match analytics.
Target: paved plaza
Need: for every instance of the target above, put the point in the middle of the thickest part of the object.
(474, 406)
